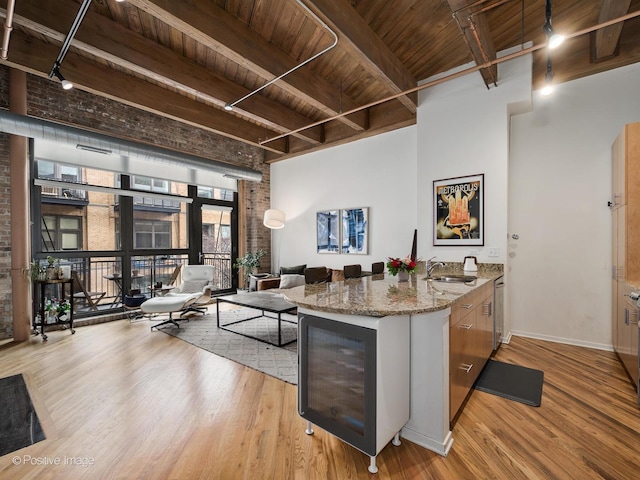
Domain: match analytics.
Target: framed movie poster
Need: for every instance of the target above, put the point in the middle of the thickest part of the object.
(458, 211)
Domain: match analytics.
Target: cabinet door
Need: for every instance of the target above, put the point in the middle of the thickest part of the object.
(622, 330)
(615, 261)
(629, 223)
(485, 316)
(618, 190)
(630, 332)
(621, 243)
(614, 314)
(461, 360)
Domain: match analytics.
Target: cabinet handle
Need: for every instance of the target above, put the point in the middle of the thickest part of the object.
(466, 326)
(627, 314)
(487, 309)
(466, 367)
(467, 305)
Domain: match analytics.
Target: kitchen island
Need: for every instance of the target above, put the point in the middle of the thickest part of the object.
(428, 304)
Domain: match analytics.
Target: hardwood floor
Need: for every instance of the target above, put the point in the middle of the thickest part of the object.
(135, 404)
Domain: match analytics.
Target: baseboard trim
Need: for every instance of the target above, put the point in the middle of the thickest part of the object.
(567, 341)
(441, 448)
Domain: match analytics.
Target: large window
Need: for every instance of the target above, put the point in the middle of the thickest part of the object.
(57, 171)
(123, 233)
(149, 184)
(61, 233)
(215, 193)
(152, 234)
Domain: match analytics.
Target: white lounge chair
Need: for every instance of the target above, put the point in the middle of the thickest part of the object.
(195, 290)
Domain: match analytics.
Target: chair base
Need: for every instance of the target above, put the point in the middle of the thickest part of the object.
(193, 308)
(171, 320)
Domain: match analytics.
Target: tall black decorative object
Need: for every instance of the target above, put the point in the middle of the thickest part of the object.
(414, 247)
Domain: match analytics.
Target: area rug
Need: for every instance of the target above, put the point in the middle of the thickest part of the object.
(278, 362)
(19, 424)
(514, 382)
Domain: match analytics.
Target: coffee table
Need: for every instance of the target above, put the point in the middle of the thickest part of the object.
(263, 301)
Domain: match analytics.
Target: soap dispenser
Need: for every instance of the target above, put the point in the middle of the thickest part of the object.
(470, 265)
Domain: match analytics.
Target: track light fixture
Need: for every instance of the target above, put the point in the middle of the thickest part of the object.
(548, 79)
(554, 39)
(55, 72)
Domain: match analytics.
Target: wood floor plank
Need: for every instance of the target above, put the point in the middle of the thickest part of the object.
(139, 404)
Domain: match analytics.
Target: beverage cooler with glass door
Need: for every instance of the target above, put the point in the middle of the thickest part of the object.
(353, 377)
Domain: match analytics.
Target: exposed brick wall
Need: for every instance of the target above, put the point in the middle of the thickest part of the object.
(6, 323)
(48, 101)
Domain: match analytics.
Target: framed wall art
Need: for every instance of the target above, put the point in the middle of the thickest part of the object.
(328, 232)
(458, 211)
(355, 230)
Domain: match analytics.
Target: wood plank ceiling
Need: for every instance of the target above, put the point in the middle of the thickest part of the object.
(188, 59)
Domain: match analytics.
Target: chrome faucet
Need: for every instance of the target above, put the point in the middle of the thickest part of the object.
(431, 265)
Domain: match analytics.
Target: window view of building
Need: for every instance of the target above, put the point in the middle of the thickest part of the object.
(152, 234)
(83, 223)
(61, 232)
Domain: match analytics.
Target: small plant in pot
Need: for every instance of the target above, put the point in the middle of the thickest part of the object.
(37, 272)
(53, 266)
(249, 263)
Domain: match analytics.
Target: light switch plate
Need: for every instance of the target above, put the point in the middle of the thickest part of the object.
(494, 252)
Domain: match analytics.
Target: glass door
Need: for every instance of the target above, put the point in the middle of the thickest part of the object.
(217, 243)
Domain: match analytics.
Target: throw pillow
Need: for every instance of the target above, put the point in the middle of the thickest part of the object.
(290, 281)
(193, 286)
(297, 270)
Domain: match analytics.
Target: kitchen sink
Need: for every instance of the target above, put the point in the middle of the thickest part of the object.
(452, 278)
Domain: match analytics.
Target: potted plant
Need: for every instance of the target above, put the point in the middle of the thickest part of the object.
(53, 265)
(36, 271)
(249, 262)
(401, 267)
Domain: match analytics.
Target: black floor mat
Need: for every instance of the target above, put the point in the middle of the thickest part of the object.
(19, 424)
(514, 382)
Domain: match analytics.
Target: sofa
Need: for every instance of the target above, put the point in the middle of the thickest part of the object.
(299, 275)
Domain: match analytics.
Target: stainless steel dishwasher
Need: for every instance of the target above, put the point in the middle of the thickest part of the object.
(498, 314)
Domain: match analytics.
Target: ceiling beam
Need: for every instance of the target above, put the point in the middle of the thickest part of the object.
(35, 56)
(212, 26)
(106, 39)
(477, 35)
(383, 118)
(605, 41)
(361, 42)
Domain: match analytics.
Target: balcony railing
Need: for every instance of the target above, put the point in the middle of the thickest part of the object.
(104, 274)
(64, 193)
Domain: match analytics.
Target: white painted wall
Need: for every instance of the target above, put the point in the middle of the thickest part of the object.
(560, 287)
(378, 173)
(556, 157)
(463, 129)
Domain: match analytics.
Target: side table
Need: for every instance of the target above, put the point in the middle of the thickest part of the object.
(39, 292)
(162, 291)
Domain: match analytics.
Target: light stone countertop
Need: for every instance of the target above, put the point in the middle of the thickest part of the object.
(382, 295)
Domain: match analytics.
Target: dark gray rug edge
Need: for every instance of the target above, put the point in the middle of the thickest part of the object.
(513, 382)
(20, 425)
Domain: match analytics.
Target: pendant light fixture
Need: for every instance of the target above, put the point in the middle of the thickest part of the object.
(554, 40)
(548, 79)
